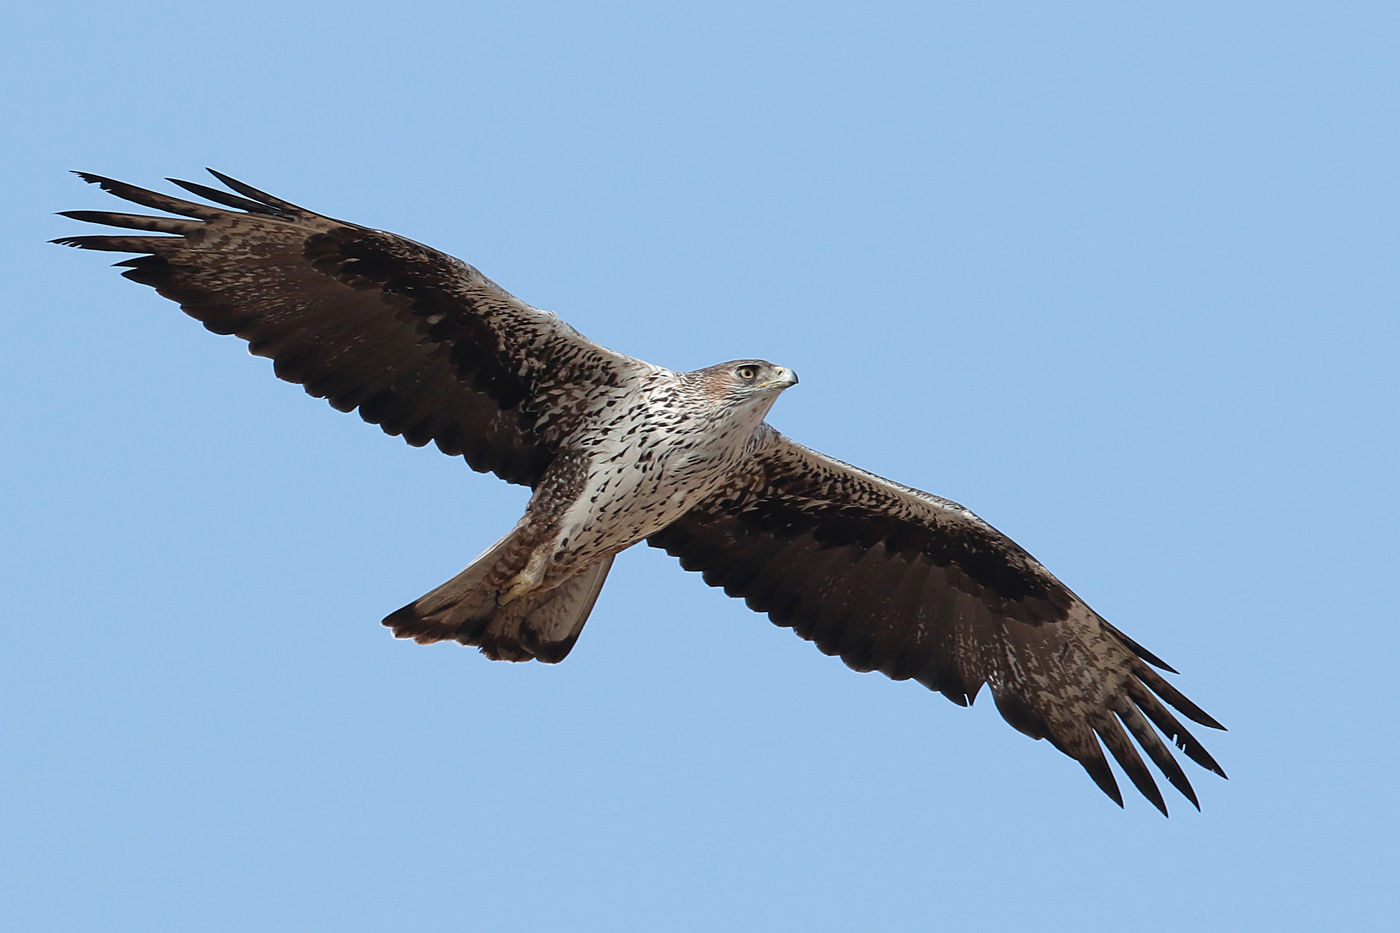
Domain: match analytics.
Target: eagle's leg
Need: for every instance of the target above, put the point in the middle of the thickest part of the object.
(529, 579)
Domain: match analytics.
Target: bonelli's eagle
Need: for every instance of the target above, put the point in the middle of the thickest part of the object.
(619, 451)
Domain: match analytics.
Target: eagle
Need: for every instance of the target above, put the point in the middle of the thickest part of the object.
(618, 451)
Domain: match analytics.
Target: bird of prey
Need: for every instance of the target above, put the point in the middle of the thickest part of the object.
(619, 451)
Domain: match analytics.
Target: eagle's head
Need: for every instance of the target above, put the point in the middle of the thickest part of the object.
(747, 386)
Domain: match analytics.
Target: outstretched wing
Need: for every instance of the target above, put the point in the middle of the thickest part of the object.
(422, 344)
(900, 581)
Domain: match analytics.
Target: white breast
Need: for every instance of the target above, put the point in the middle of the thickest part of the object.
(647, 467)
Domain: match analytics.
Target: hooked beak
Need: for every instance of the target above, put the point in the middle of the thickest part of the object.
(784, 379)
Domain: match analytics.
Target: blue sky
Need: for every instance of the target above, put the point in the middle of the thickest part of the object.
(1120, 279)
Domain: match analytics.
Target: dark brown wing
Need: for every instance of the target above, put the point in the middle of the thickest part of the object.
(897, 580)
(422, 344)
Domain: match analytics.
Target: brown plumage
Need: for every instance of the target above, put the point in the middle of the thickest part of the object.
(618, 451)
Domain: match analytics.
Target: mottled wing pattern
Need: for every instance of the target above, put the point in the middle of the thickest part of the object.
(420, 343)
(896, 580)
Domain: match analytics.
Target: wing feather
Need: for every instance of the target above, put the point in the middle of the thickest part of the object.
(1151, 743)
(897, 580)
(422, 344)
(1110, 731)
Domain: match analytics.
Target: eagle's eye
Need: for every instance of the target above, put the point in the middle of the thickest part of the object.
(747, 373)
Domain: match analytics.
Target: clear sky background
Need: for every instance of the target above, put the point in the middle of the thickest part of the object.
(1123, 280)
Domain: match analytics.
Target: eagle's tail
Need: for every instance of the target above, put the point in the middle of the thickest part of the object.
(540, 625)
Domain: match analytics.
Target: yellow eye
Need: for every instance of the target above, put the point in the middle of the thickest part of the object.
(747, 373)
